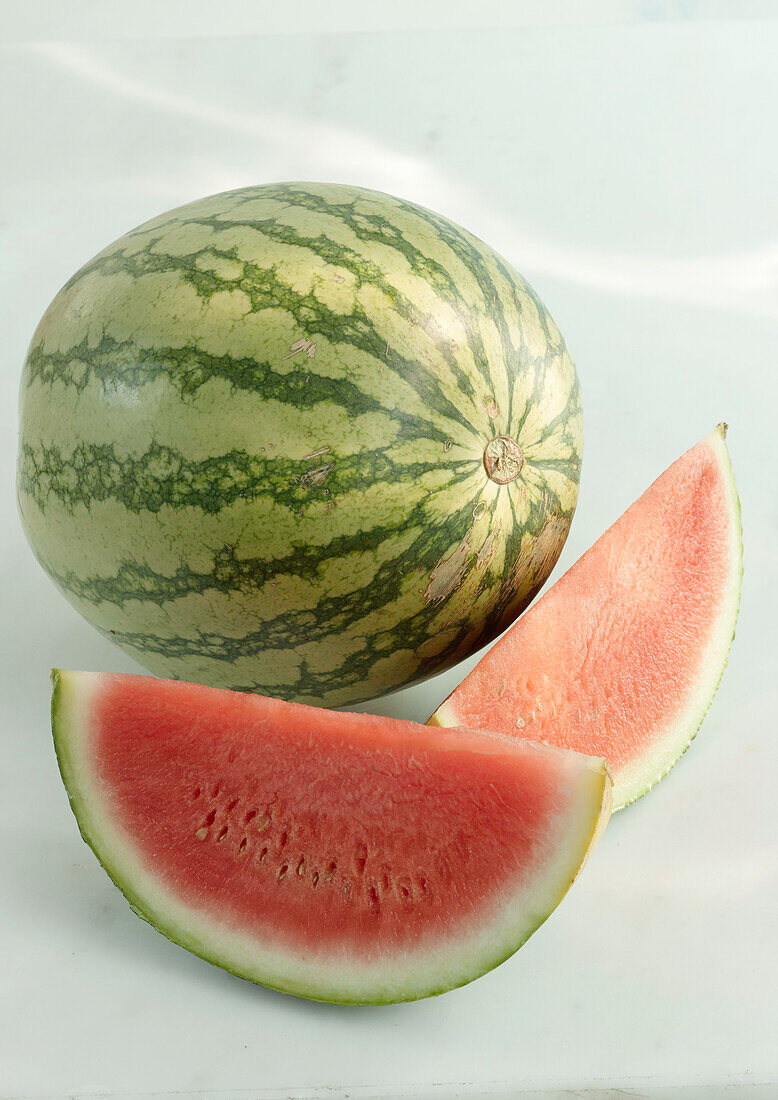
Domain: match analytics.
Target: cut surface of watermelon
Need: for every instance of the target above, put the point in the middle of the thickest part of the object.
(338, 856)
(622, 656)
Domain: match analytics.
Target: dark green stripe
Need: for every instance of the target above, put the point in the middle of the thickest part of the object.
(264, 290)
(567, 466)
(566, 416)
(162, 477)
(330, 617)
(471, 252)
(376, 228)
(231, 572)
(188, 368)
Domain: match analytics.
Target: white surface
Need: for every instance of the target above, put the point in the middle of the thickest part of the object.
(631, 173)
(94, 19)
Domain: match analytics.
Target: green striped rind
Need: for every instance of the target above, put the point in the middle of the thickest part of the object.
(252, 434)
(504, 925)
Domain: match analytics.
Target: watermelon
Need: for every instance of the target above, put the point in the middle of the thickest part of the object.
(337, 856)
(300, 439)
(622, 656)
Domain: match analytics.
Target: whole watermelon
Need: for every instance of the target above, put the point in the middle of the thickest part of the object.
(303, 439)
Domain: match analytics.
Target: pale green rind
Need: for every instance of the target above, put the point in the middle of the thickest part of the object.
(345, 979)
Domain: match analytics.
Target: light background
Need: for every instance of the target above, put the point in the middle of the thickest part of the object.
(622, 155)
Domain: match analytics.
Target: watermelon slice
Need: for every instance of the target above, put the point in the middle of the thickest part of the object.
(340, 857)
(622, 656)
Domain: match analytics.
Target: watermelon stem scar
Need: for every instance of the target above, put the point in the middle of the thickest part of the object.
(338, 856)
(503, 459)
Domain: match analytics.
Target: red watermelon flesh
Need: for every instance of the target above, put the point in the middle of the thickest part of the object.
(622, 656)
(338, 856)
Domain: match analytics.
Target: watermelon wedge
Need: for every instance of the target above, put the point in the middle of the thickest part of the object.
(622, 656)
(337, 856)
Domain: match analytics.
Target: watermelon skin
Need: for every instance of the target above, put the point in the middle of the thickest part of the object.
(253, 436)
(623, 655)
(335, 856)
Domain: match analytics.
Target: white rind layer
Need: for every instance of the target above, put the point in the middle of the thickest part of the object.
(505, 924)
(638, 777)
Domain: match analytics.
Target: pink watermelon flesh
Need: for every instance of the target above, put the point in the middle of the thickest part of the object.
(338, 856)
(621, 657)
